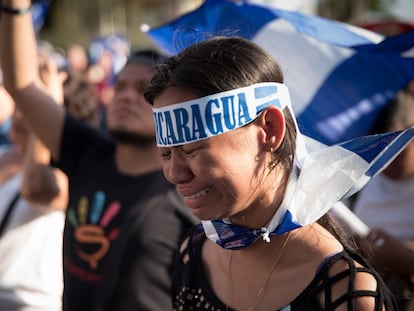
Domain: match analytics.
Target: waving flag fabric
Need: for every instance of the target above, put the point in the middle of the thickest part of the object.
(39, 10)
(340, 171)
(339, 76)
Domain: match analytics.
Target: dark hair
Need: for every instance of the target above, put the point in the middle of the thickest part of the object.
(148, 57)
(222, 64)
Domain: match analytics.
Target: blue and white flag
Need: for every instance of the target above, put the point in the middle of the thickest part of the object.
(339, 76)
(39, 10)
(117, 45)
(322, 175)
(325, 176)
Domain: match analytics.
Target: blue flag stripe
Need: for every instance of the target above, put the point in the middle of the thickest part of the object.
(361, 71)
(390, 152)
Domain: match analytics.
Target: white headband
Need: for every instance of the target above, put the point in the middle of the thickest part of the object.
(208, 116)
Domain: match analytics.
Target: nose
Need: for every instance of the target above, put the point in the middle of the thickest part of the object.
(133, 96)
(126, 93)
(176, 169)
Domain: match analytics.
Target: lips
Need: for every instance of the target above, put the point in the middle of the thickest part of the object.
(198, 194)
(194, 200)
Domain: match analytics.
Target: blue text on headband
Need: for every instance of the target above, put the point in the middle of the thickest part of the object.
(208, 116)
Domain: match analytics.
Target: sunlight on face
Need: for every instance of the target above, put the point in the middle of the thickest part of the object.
(219, 176)
(128, 109)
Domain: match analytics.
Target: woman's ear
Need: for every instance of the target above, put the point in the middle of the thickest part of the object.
(272, 121)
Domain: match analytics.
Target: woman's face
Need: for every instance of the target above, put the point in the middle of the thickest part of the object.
(221, 176)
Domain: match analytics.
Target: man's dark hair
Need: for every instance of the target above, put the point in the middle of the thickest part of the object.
(147, 57)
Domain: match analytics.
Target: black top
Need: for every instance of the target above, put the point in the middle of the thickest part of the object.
(121, 231)
(191, 290)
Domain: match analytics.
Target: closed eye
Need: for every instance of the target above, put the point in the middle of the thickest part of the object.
(165, 153)
(189, 152)
(193, 148)
(190, 149)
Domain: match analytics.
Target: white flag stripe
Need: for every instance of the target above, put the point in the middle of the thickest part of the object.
(300, 70)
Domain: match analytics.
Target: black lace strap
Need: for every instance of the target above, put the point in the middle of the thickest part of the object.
(9, 210)
(348, 297)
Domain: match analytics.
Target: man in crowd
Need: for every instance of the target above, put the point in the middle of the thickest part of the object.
(123, 220)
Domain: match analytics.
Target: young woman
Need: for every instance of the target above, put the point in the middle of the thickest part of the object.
(230, 144)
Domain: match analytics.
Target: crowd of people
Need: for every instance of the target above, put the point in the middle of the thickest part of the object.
(124, 220)
(112, 201)
(32, 213)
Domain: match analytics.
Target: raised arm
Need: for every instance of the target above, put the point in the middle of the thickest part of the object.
(42, 185)
(19, 61)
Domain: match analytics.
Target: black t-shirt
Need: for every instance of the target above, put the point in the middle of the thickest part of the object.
(121, 231)
(191, 290)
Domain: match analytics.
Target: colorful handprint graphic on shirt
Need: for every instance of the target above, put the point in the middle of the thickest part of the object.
(92, 231)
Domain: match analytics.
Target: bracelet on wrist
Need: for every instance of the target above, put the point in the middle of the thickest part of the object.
(13, 11)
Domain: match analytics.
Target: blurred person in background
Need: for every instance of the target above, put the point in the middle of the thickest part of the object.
(386, 206)
(80, 99)
(33, 196)
(79, 94)
(101, 75)
(77, 59)
(108, 55)
(124, 219)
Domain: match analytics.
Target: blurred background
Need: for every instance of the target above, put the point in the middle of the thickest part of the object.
(77, 21)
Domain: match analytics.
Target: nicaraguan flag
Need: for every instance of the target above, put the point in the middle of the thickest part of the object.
(326, 175)
(339, 76)
(332, 173)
